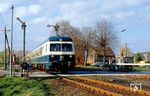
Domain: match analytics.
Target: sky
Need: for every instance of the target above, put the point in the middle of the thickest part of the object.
(133, 15)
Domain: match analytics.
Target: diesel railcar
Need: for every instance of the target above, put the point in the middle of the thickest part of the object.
(57, 52)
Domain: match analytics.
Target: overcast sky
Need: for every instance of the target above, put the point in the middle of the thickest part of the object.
(133, 15)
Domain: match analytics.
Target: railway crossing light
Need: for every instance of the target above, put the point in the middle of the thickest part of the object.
(23, 26)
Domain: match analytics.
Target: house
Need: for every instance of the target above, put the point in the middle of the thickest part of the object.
(97, 54)
(124, 52)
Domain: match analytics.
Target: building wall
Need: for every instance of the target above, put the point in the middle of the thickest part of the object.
(91, 57)
(94, 57)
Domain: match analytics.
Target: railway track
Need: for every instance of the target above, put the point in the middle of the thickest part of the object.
(104, 88)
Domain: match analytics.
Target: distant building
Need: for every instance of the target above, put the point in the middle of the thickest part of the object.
(124, 52)
(96, 55)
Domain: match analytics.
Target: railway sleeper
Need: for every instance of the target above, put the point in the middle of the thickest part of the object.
(115, 86)
(91, 88)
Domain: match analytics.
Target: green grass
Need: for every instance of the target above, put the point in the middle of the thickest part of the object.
(14, 86)
(143, 68)
(50, 85)
(87, 68)
(1, 64)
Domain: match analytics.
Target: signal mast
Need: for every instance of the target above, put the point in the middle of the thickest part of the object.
(56, 28)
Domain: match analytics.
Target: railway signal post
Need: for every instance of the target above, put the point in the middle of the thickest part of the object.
(24, 30)
(56, 27)
(24, 64)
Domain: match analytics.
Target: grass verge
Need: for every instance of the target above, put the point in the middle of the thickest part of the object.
(86, 68)
(143, 68)
(14, 86)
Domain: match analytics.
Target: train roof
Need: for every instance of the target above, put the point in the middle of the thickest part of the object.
(56, 38)
(59, 38)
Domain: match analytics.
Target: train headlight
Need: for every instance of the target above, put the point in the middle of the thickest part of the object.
(70, 56)
(61, 57)
(69, 63)
(52, 56)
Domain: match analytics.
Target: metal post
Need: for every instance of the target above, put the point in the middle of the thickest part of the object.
(126, 49)
(5, 50)
(24, 29)
(125, 45)
(85, 57)
(12, 8)
(56, 27)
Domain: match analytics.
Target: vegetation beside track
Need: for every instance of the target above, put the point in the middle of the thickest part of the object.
(14, 86)
(94, 68)
(87, 68)
(142, 68)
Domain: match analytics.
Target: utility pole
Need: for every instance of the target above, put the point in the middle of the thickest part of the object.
(24, 31)
(5, 51)
(11, 45)
(125, 45)
(126, 49)
(56, 27)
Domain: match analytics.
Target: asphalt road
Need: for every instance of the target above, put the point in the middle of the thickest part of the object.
(76, 73)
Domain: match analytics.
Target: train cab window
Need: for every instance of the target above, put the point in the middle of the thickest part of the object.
(55, 47)
(67, 47)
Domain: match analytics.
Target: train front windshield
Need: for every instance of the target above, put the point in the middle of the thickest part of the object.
(61, 47)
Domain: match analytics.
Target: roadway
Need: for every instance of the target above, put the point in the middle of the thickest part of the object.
(76, 73)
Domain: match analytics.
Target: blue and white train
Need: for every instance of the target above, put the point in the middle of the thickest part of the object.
(57, 52)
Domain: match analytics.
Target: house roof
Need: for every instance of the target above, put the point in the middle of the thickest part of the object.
(108, 51)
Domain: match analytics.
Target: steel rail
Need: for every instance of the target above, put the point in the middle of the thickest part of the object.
(91, 88)
(115, 86)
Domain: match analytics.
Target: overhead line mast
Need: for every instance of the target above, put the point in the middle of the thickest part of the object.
(11, 45)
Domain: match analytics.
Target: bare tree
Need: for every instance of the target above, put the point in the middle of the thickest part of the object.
(105, 36)
(87, 41)
(68, 30)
